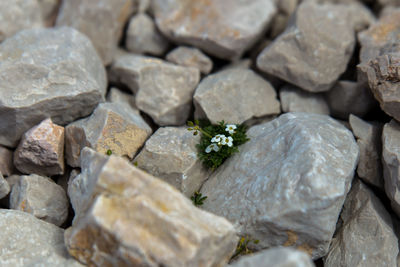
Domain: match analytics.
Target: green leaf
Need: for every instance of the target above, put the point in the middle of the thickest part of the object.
(109, 152)
(190, 123)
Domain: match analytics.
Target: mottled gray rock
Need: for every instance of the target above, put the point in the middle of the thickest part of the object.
(190, 57)
(41, 150)
(294, 99)
(235, 95)
(171, 155)
(47, 73)
(367, 238)
(111, 127)
(162, 90)
(143, 37)
(4, 187)
(28, 241)
(168, 230)
(224, 29)
(101, 20)
(296, 167)
(122, 98)
(6, 161)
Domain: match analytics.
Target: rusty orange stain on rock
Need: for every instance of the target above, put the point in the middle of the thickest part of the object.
(292, 238)
(306, 248)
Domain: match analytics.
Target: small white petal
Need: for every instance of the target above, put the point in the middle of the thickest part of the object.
(208, 149)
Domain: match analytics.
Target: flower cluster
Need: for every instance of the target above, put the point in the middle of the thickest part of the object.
(222, 140)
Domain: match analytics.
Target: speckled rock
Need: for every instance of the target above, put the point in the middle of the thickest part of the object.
(6, 161)
(294, 99)
(47, 73)
(190, 57)
(296, 167)
(4, 187)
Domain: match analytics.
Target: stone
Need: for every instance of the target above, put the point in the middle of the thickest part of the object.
(28, 241)
(366, 237)
(49, 10)
(225, 29)
(41, 150)
(162, 90)
(111, 127)
(123, 98)
(101, 20)
(235, 95)
(142, 36)
(141, 6)
(294, 99)
(6, 161)
(41, 197)
(171, 155)
(4, 187)
(46, 73)
(168, 230)
(190, 57)
(296, 167)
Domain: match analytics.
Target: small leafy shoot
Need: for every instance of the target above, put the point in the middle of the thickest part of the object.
(109, 152)
(198, 199)
(242, 246)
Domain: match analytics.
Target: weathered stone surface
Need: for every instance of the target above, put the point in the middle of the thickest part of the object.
(28, 241)
(41, 150)
(190, 57)
(163, 90)
(171, 155)
(294, 99)
(111, 127)
(224, 29)
(49, 10)
(296, 167)
(168, 230)
(367, 237)
(4, 187)
(6, 161)
(101, 20)
(235, 95)
(47, 73)
(122, 98)
(41, 197)
(142, 36)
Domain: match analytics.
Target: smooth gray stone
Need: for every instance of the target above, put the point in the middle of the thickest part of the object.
(190, 57)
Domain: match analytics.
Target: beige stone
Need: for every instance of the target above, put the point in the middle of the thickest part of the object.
(190, 57)
(6, 161)
(294, 99)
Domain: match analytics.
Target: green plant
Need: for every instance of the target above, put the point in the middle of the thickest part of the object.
(242, 246)
(198, 199)
(109, 152)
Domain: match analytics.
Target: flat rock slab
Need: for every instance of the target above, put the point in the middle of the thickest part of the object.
(287, 185)
(47, 73)
(294, 99)
(190, 57)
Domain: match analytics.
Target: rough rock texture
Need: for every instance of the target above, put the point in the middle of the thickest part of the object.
(41, 150)
(28, 241)
(112, 126)
(235, 95)
(122, 98)
(296, 167)
(163, 90)
(4, 187)
(6, 161)
(142, 36)
(168, 230)
(294, 99)
(367, 237)
(171, 155)
(41, 197)
(47, 73)
(190, 57)
(224, 29)
(101, 20)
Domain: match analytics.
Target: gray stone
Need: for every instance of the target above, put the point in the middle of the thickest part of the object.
(47, 73)
(294, 99)
(123, 98)
(28, 241)
(162, 90)
(6, 161)
(190, 57)
(224, 29)
(235, 95)
(143, 37)
(101, 20)
(49, 10)
(296, 167)
(367, 237)
(4, 187)
(141, 6)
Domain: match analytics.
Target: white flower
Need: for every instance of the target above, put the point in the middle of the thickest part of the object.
(227, 141)
(230, 128)
(211, 147)
(218, 138)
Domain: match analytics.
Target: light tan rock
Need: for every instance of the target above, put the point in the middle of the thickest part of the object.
(6, 161)
(190, 57)
(49, 10)
(4, 187)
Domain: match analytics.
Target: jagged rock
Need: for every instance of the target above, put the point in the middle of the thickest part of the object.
(294, 99)
(47, 73)
(296, 167)
(41, 150)
(168, 230)
(235, 95)
(190, 57)
(4, 187)
(6, 161)
(122, 98)
(224, 29)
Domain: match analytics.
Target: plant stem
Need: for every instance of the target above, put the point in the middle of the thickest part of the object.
(204, 132)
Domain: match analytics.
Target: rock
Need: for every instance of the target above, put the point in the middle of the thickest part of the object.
(294, 99)
(171, 155)
(141, 6)
(4, 187)
(101, 20)
(6, 161)
(122, 98)
(296, 167)
(235, 95)
(190, 57)
(111, 127)
(142, 36)
(168, 230)
(41, 150)
(49, 10)
(41, 197)
(47, 73)
(163, 90)
(225, 29)
(27, 241)
(367, 237)
(276, 257)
